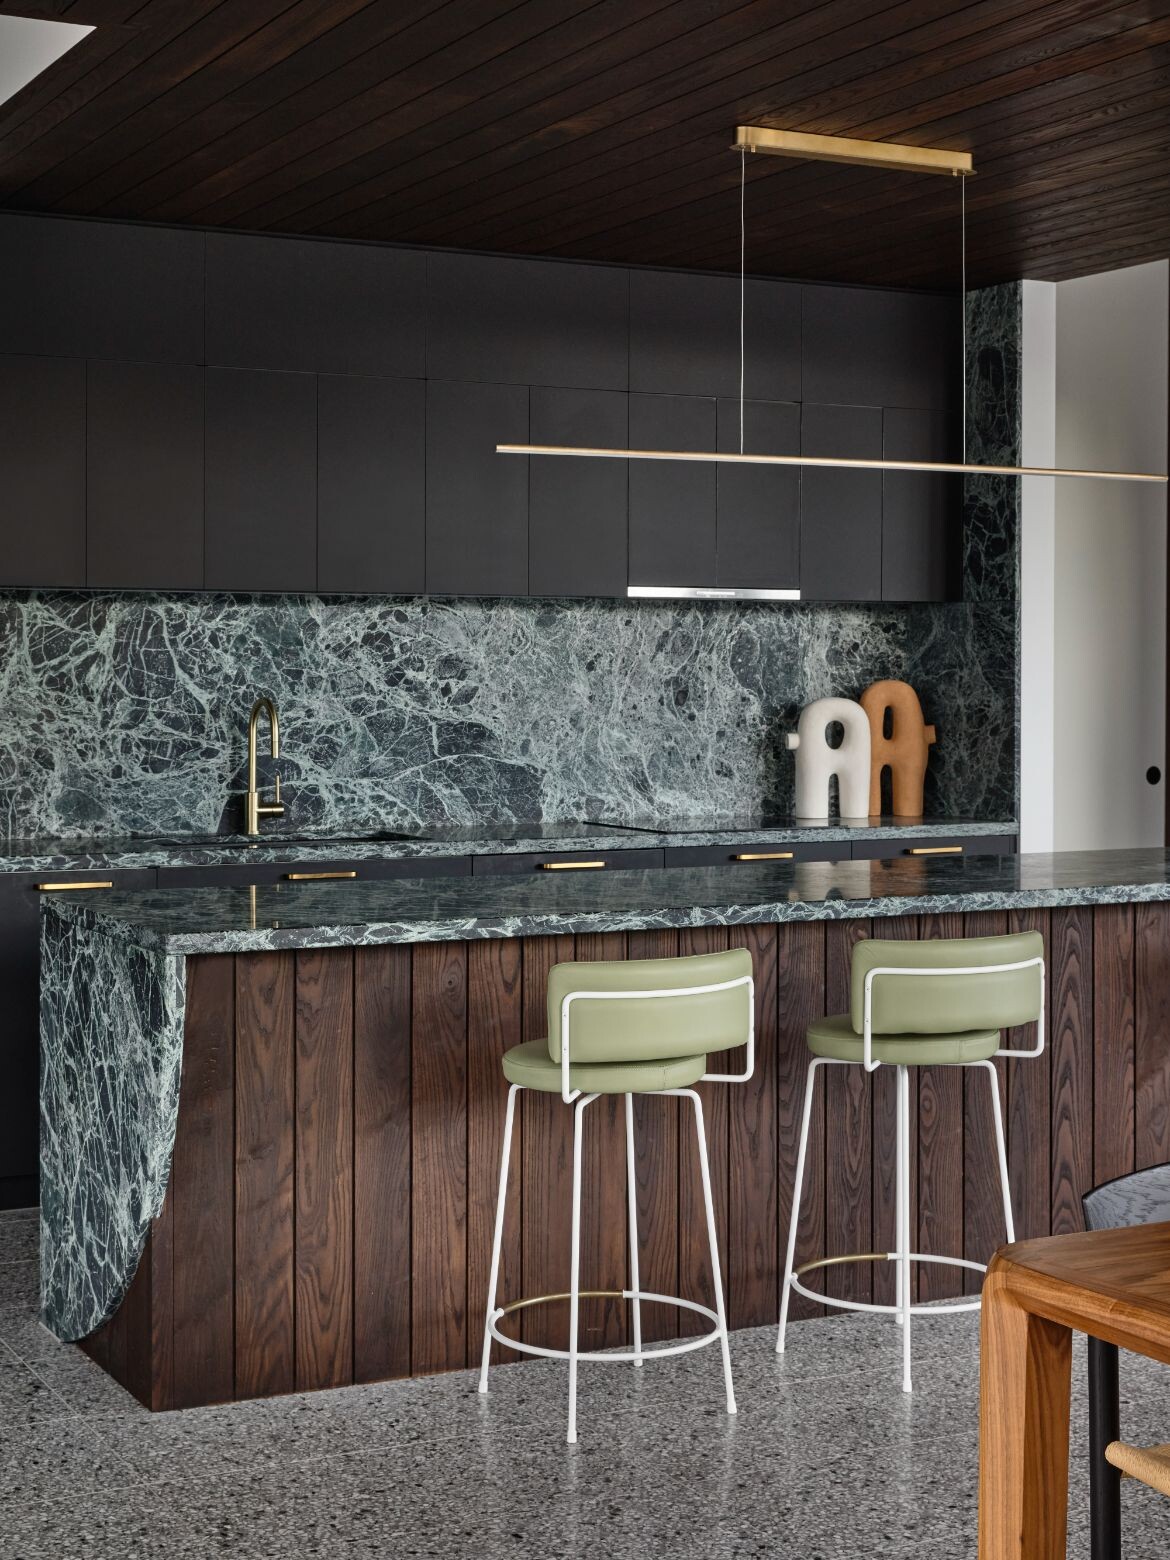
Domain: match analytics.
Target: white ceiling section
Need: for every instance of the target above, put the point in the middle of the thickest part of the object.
(29, 46)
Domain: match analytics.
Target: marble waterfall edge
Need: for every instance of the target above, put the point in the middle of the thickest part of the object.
(111, 1057)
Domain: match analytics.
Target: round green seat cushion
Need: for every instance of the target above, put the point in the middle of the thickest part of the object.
(531, 1066)
(836, 1040)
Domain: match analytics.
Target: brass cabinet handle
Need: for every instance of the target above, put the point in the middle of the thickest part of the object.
(935, 850)
(59, 888)
(568, 866)
(315, 877)
(764, 855)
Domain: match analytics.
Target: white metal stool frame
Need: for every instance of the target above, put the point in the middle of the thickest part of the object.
(635, 1294)
(902, 1308)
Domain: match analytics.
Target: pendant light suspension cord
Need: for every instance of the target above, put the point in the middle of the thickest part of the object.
(742, 281)
(963, 300)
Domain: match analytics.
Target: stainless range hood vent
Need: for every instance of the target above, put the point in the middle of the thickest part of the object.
(706, 593)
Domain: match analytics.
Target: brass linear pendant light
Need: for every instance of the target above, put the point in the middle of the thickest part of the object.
(866, 154)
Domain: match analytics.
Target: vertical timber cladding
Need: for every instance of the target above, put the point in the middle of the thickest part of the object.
(330, 1211)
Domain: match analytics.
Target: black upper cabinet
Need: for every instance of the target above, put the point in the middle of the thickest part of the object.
(101, 290)
(530, 322)
(477, 501)
(921, 513)
(863, 346)
(577, 508)
(42, 461)
(672, 503)
(371, 485)
(309, 306)
(759, 506)
(261, 481)
(144, 460)
(841, 511)
(684, 336)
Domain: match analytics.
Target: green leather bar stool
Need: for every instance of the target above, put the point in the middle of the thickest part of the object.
(920, 1004)
(643, 1026)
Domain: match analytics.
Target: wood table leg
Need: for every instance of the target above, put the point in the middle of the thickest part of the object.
(1023, 1430)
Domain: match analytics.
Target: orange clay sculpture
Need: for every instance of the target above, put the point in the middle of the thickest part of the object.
(903, 752)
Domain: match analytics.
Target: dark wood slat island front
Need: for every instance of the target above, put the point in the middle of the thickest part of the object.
(327, 1214)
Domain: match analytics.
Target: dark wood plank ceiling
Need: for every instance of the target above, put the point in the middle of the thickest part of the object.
(601, 130)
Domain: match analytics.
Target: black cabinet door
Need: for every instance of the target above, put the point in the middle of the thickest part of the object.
(841, 511)
(750, 853)
(261, 481)
(477, 501)
(293, 873)
(501, 319)
(921, 513)
(672, 503)
(20, 906)
(42, 471)
(311, 306)
(759, 506)
(577, 509)
(934, 847)
(101, 289)
(866, 345)
(684, 335)
(371, 485)
(144, 465)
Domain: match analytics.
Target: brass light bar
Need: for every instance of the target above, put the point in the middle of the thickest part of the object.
(847, 463)
(842, 149)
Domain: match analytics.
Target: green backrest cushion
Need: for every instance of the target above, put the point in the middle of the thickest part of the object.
(950, 1004)
(650, 1028)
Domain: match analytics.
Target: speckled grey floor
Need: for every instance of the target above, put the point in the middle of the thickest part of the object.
(827, 1460)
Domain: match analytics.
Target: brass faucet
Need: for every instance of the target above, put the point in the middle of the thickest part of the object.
(256, 809)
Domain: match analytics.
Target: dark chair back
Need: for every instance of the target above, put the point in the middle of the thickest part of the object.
(1140, 1198)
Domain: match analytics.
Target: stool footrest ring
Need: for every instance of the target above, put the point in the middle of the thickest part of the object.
(918, 1309)
(604, 1356)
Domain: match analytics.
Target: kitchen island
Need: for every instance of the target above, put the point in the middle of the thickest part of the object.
(271, 1117)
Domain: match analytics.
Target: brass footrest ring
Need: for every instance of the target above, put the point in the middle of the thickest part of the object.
(604, 1356)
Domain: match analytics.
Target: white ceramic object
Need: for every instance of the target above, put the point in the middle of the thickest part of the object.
(817, 762)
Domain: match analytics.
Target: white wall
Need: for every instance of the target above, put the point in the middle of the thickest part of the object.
(1108, 562)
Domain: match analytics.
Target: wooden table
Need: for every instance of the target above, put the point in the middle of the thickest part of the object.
(1111, 1284)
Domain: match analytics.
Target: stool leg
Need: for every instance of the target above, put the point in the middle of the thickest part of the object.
(1104, 1426)
(900, 1192)
(794, 1214)
(1001, 1150)
(497, 1238)
(575, 1278)
(632, 1203)
(712, 1239)
(904, 1218)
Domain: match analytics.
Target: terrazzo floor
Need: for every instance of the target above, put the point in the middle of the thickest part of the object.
(826, 1460)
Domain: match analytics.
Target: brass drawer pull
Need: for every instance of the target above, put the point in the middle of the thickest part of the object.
(569, 866)
(315, 877)
(935, 850)
(60, 888)
(764, 855)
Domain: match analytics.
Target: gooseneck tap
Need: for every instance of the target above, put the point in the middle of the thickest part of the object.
(255, 809)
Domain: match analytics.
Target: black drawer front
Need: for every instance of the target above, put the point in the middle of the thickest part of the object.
(245, 876)
(561, 862)
(743, 853)
(928, 849)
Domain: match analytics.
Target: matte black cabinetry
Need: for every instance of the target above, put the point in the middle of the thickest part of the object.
(566, 862)
(42, 471)
(261, 481)
(314, 307)
(758, 541)
(920, 512)
(298, 873)
(20, 908)
(749, 853)
(862, 345)
(672, 503)
(500, 319)
(477, 501)
(144, 462)
(578, 509)
(841, 510)
(929, 847)
(684, 336)
(371, 485)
